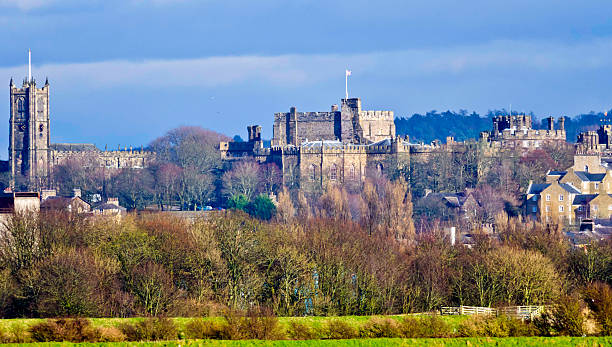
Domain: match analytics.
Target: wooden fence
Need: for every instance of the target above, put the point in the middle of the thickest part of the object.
(520, 312)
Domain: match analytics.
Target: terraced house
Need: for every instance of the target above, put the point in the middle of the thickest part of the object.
(582, 191)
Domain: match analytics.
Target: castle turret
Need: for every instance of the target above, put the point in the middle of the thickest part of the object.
(551, 123)
(562, 123)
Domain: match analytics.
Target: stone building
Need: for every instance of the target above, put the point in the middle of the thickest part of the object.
(314, 149)
(350, 124)
(596, 141)
(31, 154)
(516, 132)
(582, 191)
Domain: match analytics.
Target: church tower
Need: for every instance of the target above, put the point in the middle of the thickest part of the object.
(29, 133)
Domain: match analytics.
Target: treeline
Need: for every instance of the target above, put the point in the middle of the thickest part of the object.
(464, 126)
(63, 265)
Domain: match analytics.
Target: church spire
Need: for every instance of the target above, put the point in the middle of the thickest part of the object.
(11, 84)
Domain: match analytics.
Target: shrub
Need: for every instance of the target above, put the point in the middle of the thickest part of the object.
(430, 326)
(150, 329)
(111, 334)
(18, 333)
(563, 318)
(379, 327)
(300, 331)
(73, 330)
(598, 297)
(205, 329)
(339, 329)
(259, 323)
(490, 326)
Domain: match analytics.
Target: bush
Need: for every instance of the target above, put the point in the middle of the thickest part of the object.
(379, 327)
(563, 318)
(150, 329)
(73, 330)
(261, 207)
(598, 297)
(300, 331)
(490, 326)
(204, 329)
(111, 334)
(429, 326)
(260, 324)
(18, 333)
(339, 329)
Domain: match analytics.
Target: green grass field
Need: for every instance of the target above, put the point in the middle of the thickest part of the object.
(508, 341)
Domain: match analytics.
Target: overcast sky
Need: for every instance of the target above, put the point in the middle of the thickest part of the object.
(125, 71)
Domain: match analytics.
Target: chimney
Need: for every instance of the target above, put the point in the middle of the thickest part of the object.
(76, 192)
(562, 123)
(551, 123)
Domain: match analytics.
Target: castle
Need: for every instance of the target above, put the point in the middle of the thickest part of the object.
(516, 132)
(344, 146)
(313, 149)
(31, 155)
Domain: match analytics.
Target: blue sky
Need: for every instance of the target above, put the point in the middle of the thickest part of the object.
(125, 71)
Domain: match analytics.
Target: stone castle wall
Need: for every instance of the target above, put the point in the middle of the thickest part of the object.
(125, 159)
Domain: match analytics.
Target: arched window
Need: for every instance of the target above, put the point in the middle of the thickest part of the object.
(379, 168)
(20, 105)
(352, 172)
(312, 172)
(333, 172)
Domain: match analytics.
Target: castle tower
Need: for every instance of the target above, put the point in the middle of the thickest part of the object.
(29, 133)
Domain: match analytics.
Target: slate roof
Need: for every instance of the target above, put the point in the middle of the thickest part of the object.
(569, 188)
(589, 177)
(537, 188)
(74, 147)
(582, 199)
(557, 173)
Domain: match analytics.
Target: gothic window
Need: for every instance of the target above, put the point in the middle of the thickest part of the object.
(379, 168)
(312, 172)
(333, 172)
(20, 105)
(41, 128)
(352, 172)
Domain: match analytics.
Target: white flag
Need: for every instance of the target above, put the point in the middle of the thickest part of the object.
(348, 72)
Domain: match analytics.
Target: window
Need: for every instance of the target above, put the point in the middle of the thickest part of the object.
(547, 208)
(595, 207)
(580, 208)
(352, 172)
(20, 105)
(596, 185)
(586, 168)
(535, 198)
(547, 197)
(561, 208)
(312, 172)
(333, 172)
(534, 209)
(560, 197)
(379, 168)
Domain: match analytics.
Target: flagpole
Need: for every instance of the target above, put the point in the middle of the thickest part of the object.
(346, 84)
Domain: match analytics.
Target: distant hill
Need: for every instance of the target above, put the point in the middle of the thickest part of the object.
(463, 125)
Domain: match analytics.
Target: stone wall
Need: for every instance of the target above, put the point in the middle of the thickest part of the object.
(119, 159)
(349, 125)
